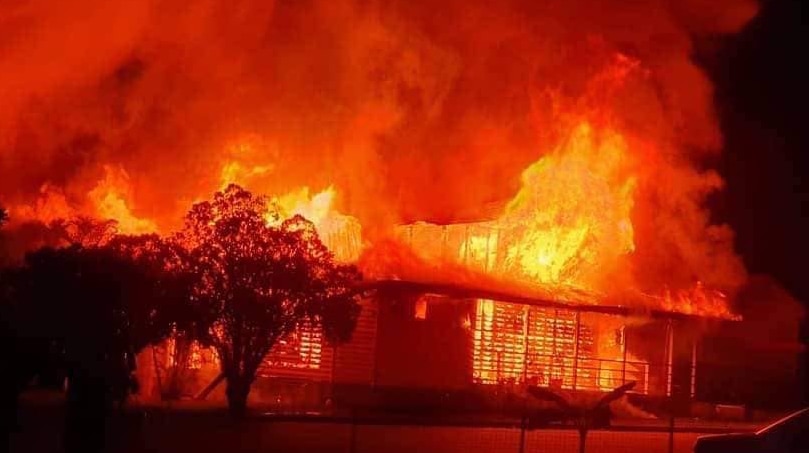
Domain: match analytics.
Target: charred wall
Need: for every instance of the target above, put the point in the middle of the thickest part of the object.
(429, 351)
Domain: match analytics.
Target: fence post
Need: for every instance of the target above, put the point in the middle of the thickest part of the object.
(576, 335)
(523, 426)
(671, 431)
(626, 349)
(352, 433)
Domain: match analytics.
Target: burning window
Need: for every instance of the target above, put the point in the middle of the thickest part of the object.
(515, 343)
(302, 349)
(544, 347)
(420, 308)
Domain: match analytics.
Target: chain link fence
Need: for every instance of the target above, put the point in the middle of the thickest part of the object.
(201, 433)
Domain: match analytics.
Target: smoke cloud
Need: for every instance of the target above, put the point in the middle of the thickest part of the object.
(413, 110)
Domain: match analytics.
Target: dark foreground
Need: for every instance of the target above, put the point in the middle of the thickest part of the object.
(199, 431)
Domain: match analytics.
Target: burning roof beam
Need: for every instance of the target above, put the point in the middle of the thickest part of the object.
(467, 292)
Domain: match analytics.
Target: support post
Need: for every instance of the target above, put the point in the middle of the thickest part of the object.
(554, 352)
(624, 346)
(694, 369)
(331, 376)
(646, 380)
(671, 432)
(444, 234)
(523, 426)
(576, 334)
(466, 246)
(352, 434)
(499, 365)
(526, 317)
(488, 251)
(375, 353)
(669, 356)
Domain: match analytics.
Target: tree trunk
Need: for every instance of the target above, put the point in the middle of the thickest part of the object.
(85, 415)
(238, 387)
(582, 440)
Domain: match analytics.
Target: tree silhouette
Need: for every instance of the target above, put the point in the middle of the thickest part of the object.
(157, 297)
(25, 353)
(83, 230)
(3, 251)
(10, 348)
(163, 308)
(21, 353)
(97, 307)
(259, 277)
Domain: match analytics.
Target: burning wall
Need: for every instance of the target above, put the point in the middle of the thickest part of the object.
(557, 348)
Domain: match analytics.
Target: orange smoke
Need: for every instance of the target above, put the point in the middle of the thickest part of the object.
(579, 127)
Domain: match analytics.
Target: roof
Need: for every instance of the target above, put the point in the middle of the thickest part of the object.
(459, 291)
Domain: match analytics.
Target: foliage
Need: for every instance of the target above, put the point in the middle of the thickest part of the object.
(101, 305)
(258, 278)
(78, 295)
(237, 278)
(83, 230)
(157, 294)
(87, 310)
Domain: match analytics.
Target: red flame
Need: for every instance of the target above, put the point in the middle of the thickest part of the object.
(567, 137)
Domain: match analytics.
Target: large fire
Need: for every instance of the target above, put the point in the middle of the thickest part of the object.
(570, 221)
(569, 226)
(539, 148)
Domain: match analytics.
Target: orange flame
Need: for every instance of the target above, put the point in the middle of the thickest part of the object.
(569, 226)
(108, 200)
(571, 219)
(110, 197)
(341, 233)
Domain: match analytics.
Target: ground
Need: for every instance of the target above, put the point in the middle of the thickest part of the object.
(179, 429)
(202, 436)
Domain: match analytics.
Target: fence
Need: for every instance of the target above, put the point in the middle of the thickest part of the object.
(171, 432)
(204, 426)
(366, 438)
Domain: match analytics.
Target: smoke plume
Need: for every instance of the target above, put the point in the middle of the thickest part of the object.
(413, 110)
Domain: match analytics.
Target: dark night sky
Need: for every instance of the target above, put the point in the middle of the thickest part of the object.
(760, 79)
